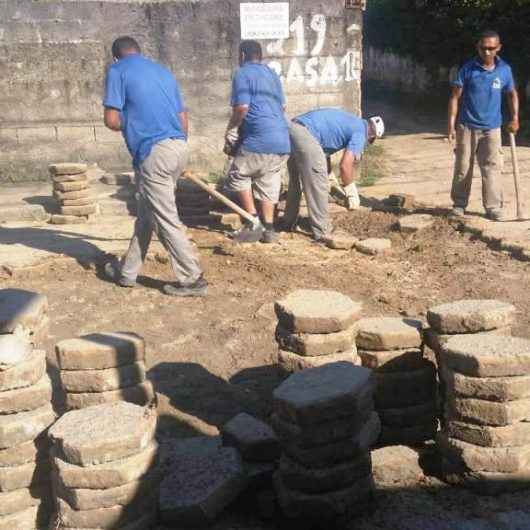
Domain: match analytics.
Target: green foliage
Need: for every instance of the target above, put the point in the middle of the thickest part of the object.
(444, 32)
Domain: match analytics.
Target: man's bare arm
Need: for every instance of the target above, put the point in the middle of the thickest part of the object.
(456, 94)
(348, 168)
(239, 113)
(184, 122)
(513, 103)
(111, 118)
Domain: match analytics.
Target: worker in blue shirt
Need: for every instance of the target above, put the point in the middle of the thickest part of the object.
(143, 101)
(478, 90)
(258, 139)
(315, 136)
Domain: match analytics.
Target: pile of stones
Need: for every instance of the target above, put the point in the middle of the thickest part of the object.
(406, 395)
(71, 190)
(193, 203)
(25, 314)
(326, 422)
(315, 328)
(26, 413)
(105, 468)
(104, 368)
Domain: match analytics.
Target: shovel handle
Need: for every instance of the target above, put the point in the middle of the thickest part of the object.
(516, 176)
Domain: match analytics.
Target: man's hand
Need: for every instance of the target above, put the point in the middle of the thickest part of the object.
(451, 136)
(231, 141)
(513, 126)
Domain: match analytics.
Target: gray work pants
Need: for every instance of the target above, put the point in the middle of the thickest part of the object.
(156, 180)
(308, 171)
(486, 148)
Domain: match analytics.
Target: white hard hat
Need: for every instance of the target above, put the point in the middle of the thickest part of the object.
(379, 125)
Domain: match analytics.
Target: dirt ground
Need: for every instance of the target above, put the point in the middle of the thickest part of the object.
(212, 358)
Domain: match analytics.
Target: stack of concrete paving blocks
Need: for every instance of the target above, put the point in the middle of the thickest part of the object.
(104, 368)
(193, 202)
(25, 314)
(71, 190)
(25, 415)
(405, 398)
(315, 328)
(326, 422)
(105, 468)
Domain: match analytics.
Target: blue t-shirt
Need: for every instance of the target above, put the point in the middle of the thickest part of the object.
(149, 99)
(482, 96)
(336, 129)
(264, 129)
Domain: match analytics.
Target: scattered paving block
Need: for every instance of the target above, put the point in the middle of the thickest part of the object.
(259, 474)
(71, 195)
(71, 186)
(25, 426)
(514, 435)
(25, 453)
(319, 394)
(19, 308)
(98, 351)
(142, 394)
(199, 198)
(24, 374)
(487, 355)
(103, 380)
(325, 506)
(340, 241)
(22, 499)
(310, 311)
(253, 438)
(415, 222)
(437, 341)
(315, 344)
(80, 177)
(411, 435)
(339, 451)
(26, 399)
(24, 520)
(302, 478)
(385, 333)
(110, 474)
(291, 362)
(402, 201)
(374, 246)
(470, 316)
(499, 389)
(112, 517)
(67, 219)
(492, 459)
(24, 476)
(405, 389)
(118, 179)
(409, 416)
(67, 168)
(488, 412)
(13, 351)
(392, 361)
(92, 499)
(186, 185)
(103, 433)
(78, 202)
(79, 210)
(146, 521)
(322, 433)
(198, 488)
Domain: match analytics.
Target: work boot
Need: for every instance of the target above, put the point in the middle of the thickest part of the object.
(113, 272)
(496, 215)
(198, 288)
(458, 211)
(270, 236)
(249, 233)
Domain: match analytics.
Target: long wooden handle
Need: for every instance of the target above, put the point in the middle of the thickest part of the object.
(516, 178)
(225, 200)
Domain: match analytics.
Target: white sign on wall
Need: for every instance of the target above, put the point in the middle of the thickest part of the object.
(265, 20)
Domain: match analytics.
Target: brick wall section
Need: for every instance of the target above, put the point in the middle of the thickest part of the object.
(55, 53)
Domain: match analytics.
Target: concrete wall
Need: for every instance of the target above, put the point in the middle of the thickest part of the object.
(54, 54)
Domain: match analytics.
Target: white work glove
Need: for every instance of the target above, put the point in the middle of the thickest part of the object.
(353, 201)
(231, 141)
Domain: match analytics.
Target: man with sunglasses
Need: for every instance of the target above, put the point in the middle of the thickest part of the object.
(478, 90)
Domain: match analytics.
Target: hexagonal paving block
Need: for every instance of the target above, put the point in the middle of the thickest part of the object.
(386, 333)
(20, 308)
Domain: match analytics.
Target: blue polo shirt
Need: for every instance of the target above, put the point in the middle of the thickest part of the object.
(336, 129)
(264, 129)
(481, 106)
(149, 100)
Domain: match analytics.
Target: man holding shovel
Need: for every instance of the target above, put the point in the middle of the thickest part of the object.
(478, 90)
(315, 136)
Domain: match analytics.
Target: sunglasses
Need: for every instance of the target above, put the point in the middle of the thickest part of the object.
(489, 48)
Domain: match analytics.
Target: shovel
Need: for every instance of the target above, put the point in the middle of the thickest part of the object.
(516, 179)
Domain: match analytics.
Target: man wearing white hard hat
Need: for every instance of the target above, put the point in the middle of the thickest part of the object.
(315, 136)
